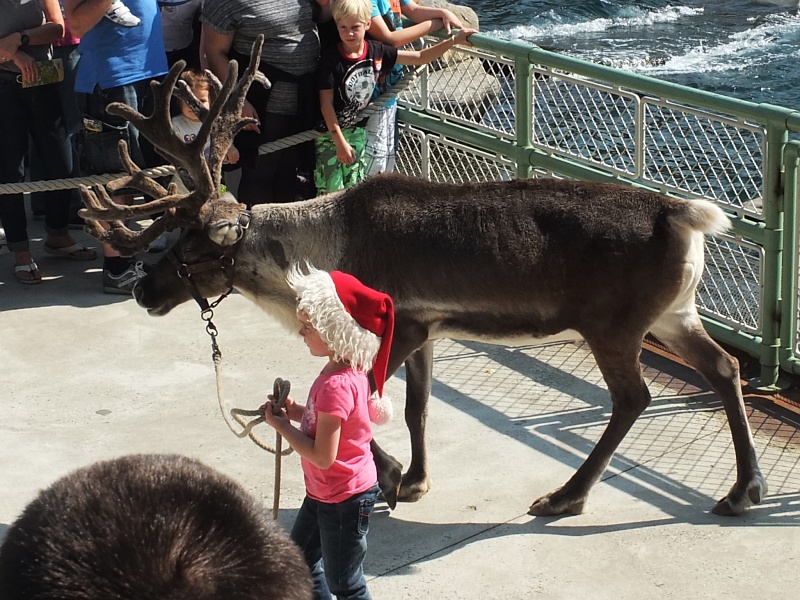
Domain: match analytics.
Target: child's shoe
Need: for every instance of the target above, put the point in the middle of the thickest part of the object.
(122, 15)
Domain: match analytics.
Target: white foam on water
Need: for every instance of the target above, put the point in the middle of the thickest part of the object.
(743, 50)
(629, 17)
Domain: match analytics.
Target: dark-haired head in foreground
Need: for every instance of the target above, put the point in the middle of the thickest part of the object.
(149, 527)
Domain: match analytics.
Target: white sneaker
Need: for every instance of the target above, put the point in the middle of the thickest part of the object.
(2, 236)
(122, 15)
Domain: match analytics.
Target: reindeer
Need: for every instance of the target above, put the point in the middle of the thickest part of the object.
(162, 527)
(491, 261)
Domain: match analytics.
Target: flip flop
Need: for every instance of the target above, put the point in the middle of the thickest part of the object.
(29, 268)
(70, 252)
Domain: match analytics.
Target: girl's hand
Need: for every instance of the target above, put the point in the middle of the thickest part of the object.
(463, 34)
(232, 156)
(450, 21)
(27, 66)
(277, 421)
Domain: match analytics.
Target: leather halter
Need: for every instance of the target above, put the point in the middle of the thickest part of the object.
(226, 261)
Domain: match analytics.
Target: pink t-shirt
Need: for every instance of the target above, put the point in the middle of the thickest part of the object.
(344, 395)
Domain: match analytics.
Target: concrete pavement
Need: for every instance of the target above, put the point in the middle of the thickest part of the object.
(87, 376)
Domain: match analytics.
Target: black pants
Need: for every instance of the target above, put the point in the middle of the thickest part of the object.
(34, 112)
(280, 176)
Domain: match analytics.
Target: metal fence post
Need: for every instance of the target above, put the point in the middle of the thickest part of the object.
(773, 212)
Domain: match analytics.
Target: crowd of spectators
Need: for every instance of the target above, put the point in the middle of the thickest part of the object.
(63, 61)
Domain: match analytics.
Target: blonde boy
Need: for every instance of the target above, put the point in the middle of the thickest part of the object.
(348, 73)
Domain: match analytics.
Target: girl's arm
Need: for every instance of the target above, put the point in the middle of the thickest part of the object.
(431, 53)
(320, 451)
(418, 14)
(380, 31)
(344, 152)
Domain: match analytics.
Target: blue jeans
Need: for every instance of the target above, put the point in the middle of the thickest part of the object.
(137, 95)
(333, 538)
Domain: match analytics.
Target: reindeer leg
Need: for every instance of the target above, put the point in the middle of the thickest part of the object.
(390, 472)
(419, 374)
(721, 370)
(408, 336)
(618, 360)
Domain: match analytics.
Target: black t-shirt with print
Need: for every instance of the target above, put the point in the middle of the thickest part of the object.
(353, 79)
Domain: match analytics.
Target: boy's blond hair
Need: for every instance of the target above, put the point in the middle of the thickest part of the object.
(341, 9)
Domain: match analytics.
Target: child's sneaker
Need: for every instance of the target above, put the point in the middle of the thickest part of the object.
(122, 15)
(124, 282)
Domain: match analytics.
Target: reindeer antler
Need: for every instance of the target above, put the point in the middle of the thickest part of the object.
(220, 123)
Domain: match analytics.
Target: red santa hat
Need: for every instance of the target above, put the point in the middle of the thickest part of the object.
(356, 321)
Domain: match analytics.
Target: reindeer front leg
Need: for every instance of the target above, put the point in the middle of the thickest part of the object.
(419, 374)
(390, 472)
(409, 346)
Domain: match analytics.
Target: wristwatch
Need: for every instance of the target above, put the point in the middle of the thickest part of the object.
(24, 39)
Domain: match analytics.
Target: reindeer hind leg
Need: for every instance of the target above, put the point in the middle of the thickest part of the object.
(684, 334)
(618, 361)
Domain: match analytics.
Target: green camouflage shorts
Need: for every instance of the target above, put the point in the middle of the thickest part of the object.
(329, 174)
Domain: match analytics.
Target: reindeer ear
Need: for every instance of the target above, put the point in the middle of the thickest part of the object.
(225, 232)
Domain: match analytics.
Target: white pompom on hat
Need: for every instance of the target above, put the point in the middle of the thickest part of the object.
(356, 321)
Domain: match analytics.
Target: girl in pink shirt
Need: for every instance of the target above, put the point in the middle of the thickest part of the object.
(351, 325)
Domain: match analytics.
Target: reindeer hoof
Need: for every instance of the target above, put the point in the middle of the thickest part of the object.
(739, 498)
(389, 480)
(413, 491)
(550, 505)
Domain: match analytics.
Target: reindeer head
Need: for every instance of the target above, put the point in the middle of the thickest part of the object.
(211, 221)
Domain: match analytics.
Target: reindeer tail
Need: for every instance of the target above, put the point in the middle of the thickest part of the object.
(700, 215)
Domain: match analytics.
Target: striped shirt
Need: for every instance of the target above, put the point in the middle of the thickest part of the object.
(291, 42)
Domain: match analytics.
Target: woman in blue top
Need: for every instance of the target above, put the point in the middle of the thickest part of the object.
(117, 64)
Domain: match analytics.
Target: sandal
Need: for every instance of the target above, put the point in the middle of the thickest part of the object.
(31, 268)
(74, 252)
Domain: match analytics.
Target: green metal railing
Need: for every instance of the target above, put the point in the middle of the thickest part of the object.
(504, 109)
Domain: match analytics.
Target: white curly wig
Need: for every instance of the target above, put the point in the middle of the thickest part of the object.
(317, 298)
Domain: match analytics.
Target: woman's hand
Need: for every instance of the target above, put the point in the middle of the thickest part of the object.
(232, 155)
(8, 47)
(27, 66)
(248, 111)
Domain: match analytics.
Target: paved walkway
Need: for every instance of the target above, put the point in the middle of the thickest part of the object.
(87, 376)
